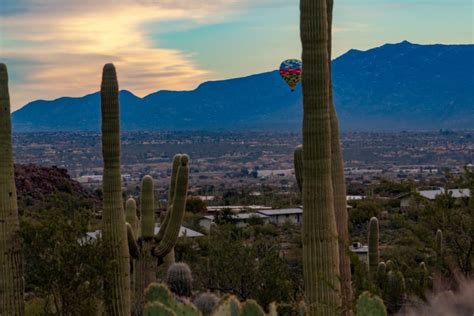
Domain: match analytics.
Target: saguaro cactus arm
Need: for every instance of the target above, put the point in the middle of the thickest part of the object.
(171, 194)
(172, 229)
(131, 215)
(339, 185)
(147, 200)
(298, 162)
(132, 242)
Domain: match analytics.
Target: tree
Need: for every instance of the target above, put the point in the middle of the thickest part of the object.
(63, 266)
(195, 205)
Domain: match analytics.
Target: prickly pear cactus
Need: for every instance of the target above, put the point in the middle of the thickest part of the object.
(370, 305)
(228, 306)
(159, 293)
(251, 308)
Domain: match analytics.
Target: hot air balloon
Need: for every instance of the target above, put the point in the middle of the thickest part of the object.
(290, 71)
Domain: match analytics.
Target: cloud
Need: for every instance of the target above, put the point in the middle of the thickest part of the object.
(57, 47)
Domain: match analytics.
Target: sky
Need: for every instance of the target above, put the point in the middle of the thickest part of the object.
(56, 48)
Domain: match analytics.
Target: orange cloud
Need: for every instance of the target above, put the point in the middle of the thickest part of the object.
(57, 48)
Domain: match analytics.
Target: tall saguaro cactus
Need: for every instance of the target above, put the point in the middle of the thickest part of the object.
(11, 269)
(117, 285)
(339, 185)
(438, 274)
(320, 239)
(146, 265)
(373, 238)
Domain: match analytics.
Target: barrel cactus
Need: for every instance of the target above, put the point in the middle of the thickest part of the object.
(205, 302)
(321, 264)
(373, 238)
(11, 268)
(114, 234)
(179, 279)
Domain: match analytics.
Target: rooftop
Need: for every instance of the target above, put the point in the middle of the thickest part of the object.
(241, 216)
(183, 232)
(283, 211)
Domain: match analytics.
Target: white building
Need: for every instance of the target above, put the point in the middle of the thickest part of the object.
(183, 232)
(237, 208)
(355, 197)
(281, 216)
(406, 199)
(240, 220)
(362, 251)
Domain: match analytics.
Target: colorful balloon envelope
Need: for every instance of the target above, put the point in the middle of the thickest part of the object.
(290, 71)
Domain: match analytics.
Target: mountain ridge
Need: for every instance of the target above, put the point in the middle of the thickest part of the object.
(402, 86)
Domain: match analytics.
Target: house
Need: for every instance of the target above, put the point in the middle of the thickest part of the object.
(407, 199)
(354, 197)
(361, 250)
(240, 220)
(281, 216)
(237, 208)
(183, 232)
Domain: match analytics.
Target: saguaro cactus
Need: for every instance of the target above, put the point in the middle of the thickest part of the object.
(117, 285)
(320, 239)
(423, 278)
(146, 268)
(169, 231)
(11, 269)
(395, 291)
(373, 238)
(439, 243)
(339, 185)
(438, 275)
(381, 274)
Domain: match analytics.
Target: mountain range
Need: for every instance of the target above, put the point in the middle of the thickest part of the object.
(401, 86)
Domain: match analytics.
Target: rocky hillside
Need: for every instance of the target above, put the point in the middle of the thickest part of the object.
(36, 185)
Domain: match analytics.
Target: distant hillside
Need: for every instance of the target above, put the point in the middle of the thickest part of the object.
(392, 87)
